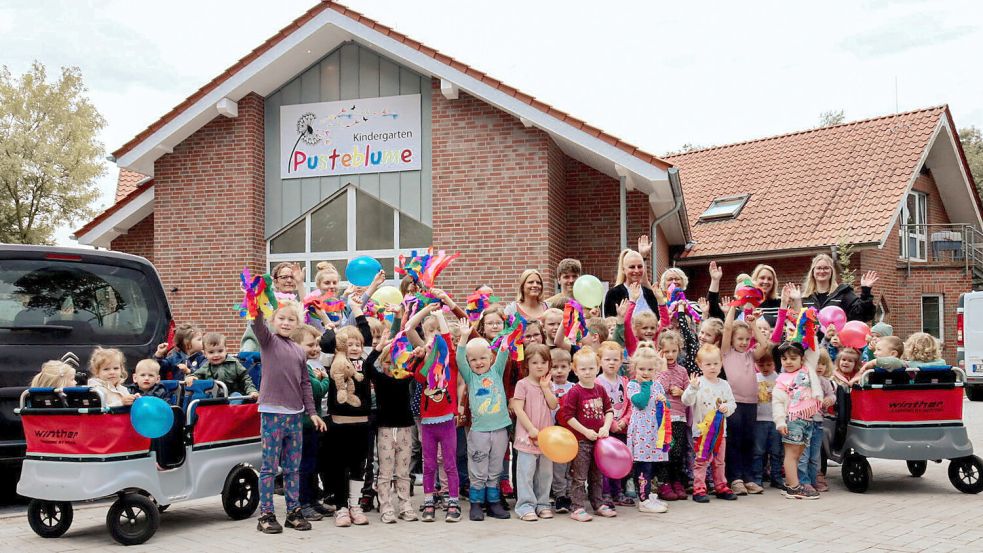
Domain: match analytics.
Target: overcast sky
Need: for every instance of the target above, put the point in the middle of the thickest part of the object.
(656, 74)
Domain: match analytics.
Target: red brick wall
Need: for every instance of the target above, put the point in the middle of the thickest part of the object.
(139, 240)
(491, 191)
(209, 200)
(558, 246)
(593, 229)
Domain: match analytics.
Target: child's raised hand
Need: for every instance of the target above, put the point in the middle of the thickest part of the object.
(704, 306)
(694, 381)
(752, 316)
(544, 382)
(716, 272)
(634, 291)
(725, 303)
(161, 350)
(794, 292)
(380, 277)
(622, 310)
(660, 296)
(441, 295)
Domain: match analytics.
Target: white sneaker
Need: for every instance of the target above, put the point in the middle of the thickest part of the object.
(652, 505)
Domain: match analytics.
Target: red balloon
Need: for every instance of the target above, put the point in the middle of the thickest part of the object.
(613, 457)
(854, 334)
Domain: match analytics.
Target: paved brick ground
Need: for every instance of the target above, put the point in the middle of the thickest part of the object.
(899, 513)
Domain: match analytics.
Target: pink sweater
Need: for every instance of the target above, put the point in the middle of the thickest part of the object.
(675, 375)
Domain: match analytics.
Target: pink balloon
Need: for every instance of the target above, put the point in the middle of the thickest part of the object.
(832, 315)
(854, 334)
(613, 457)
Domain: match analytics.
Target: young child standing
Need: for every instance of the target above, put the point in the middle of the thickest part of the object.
(617, 388)
(705, 394)
(533, 405)
(560, 372)
(767, 440)
(674, 380)
(284, 397)
(810, 475)
(108, 374)
(587, 412)
(795, 400)
(488, 440)
(738, 367)
(307, 337)
(650, 460)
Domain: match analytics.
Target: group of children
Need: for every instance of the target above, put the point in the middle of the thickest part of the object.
(387, 389)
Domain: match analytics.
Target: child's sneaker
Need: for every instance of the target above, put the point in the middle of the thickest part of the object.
(581, 515)
(267, 524)
(727, 494)
(562, 505)
(366, 503)
(753, 488)
(777, 484)
(701, 498)
(624, 501)
(652, 505)
(429, 512)
(408, 515)
(800, 492)
(358, 517)
(607, 511)
(342, 518)
(311, 514)
(666, 493)
(821, 485)
(737, 487)
(507, 490)
(297, 521)
(808, 488)
(679, 490)
(389, 517)
(322, 508)
(453, 512)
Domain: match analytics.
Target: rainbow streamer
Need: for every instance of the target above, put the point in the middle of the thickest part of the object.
(805, 328)
(573, 316)
(663, 425)
(513, 336)
(711, 432)
(437, 370)
(424, 269)
(404, 364)
(676, 295)
(748, 293)
(333, 307)
(258, 295)
(478, 302)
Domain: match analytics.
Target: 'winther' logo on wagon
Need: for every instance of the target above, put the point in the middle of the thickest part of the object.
(56, 436)
(917, 406)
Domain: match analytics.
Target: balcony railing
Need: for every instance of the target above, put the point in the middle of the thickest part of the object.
(951, 245)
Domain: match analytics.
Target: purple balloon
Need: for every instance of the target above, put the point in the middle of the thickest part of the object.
(613, 457)
(832, 315)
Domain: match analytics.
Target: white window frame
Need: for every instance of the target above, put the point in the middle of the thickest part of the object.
(310, 258)
(921, 231)
(921, 309)
(737, 204)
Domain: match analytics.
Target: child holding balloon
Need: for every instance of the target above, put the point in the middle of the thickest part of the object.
(586, 411)
(617, 388)
(648, 408)
(533, 405)
(706, 394)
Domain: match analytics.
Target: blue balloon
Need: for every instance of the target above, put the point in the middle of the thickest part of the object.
(362, 270)
(151, 417)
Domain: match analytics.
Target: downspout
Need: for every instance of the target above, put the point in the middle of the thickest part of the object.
(677, 195)
(623, 210)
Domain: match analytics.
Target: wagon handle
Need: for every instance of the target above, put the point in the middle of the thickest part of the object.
(98, 392)
(960, 375)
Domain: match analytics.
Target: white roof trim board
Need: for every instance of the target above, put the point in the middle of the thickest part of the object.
(119, 221)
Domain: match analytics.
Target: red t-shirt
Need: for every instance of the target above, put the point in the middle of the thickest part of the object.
(587, 405)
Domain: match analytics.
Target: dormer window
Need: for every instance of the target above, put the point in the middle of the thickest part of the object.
(724, 207)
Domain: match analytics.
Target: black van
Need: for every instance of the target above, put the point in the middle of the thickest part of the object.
(60, 303)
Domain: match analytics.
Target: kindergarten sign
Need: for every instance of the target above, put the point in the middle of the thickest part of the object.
(369, 135)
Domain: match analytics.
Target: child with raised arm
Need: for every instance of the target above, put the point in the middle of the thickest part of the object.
(533, 405)
(738, 367)
(650, 460)
(705, 394)
(586, 411)
(488, 440)
(795, 400)
(285, 397)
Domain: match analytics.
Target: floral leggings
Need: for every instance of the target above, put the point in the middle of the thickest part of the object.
(282, 435)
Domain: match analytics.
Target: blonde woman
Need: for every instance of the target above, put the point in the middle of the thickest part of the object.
(822, 288)
(631, 270)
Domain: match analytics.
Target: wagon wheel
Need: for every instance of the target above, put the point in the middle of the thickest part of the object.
(966, 474)
(132, 519)
(917, 468)
(49, 519)
(240, 496)
(856, 473)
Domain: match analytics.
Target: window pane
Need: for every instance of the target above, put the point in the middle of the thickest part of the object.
(291, 241)
(329, 226)
(339, 264)
(413, 233)
(911, 210)
(374, 223)
(387, 266)
(930, 315)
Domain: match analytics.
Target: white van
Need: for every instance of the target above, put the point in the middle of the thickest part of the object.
(969, 341)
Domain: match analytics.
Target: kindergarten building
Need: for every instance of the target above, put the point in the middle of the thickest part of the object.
(341, 137)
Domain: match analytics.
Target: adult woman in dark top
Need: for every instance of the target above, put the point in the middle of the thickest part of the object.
(631, 270)
(822, 289)
(764, 278)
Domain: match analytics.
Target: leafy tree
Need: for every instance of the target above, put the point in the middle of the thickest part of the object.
(687, 147)
(844, 251)
(972, 140)
(830, 118)
(49, 156)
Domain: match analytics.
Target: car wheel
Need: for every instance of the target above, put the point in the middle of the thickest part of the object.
(49, 519)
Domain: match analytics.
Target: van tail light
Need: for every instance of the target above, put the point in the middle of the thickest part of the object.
(171, 327)
(959, 329)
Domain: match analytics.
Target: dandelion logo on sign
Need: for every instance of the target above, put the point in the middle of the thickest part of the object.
(370, 135)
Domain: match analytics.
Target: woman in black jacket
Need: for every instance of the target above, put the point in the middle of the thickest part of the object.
(822, 289)
(631, 270)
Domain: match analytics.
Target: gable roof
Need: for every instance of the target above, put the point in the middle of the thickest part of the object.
(127, 182)
(810, 189)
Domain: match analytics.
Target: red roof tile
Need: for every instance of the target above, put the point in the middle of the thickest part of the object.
(807, 189)
(127, 182)
(326, 4)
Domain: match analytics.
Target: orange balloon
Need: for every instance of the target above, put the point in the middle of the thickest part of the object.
(558, 444)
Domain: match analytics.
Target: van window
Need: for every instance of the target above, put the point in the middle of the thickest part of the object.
(51, 302)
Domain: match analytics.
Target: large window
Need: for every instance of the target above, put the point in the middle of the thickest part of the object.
(932, 316)
(914, 226)
(349, 224)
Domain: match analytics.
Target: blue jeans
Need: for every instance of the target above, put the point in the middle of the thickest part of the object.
(811, 455)
(767, 445)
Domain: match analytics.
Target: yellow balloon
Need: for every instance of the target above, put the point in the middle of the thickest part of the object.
(387, 295)
(558, 444)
